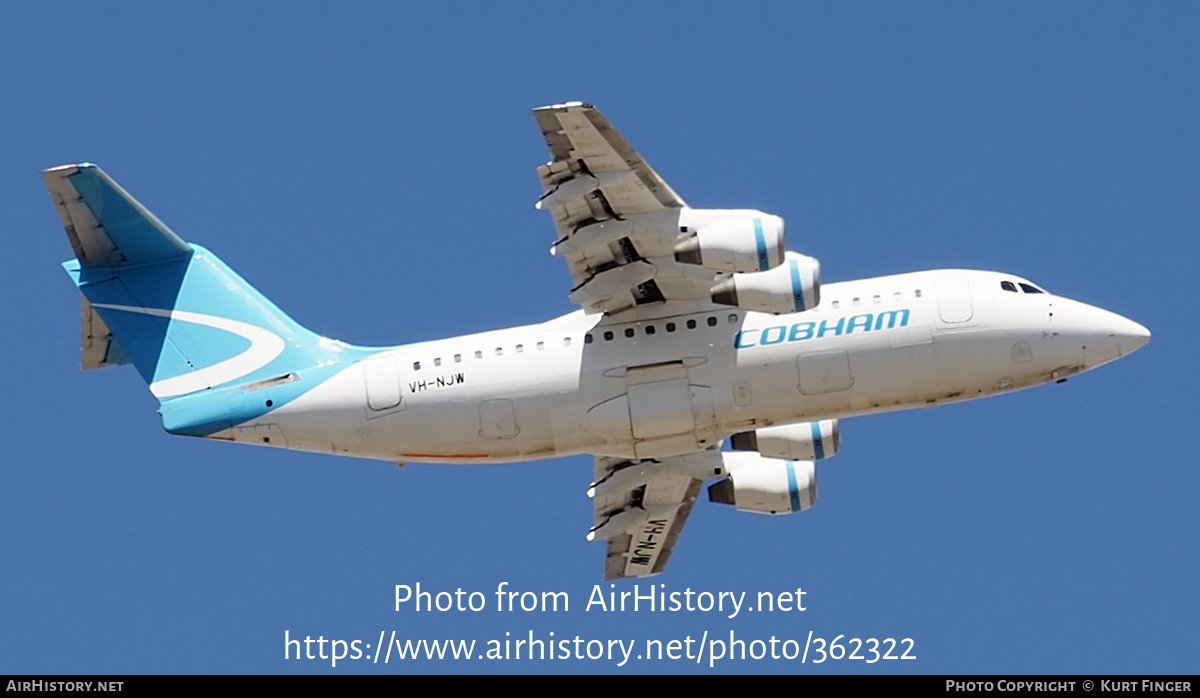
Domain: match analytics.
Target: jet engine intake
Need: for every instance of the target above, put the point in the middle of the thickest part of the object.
(766, 485)
(804, 441)
(791, 287)
(751, 244)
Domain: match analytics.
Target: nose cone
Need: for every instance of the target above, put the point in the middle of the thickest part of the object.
(1099, 335)
(1129, 335)
(1108, 335)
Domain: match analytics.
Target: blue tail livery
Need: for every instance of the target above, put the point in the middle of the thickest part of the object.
(193, 328)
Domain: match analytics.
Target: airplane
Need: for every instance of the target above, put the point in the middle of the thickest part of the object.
(703, 351)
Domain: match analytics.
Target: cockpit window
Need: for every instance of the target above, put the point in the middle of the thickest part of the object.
(1008, 286)
(1029, 288)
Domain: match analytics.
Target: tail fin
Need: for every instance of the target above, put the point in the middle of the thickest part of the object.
(190, 325)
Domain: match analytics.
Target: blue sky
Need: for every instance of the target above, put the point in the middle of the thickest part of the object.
(371, 169)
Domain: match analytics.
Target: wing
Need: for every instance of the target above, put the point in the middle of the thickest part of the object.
(618, 222)
(640, 508)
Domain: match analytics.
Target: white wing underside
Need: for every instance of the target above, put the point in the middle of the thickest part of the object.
(617, 220)
(656, 496)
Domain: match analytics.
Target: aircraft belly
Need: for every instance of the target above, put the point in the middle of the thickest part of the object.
(661, 405)
(450, 425)
(497, 421)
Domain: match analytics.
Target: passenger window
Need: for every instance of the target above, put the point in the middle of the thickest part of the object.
(897, 296)
(587, 338)
(670, 327)
(629, 332)
(650, 329)
(566, 341)
(712, 321)
(416, 365)
(1008, 286)
(499, 351)
(875, 299)
(437, 361)
(458, 358)
(1030, 289)
(917, 293)
(608, 336)
(835, 304)
(733, 318)
(856, 301)
(478, 354)
(541, 345)
(520, 348)
(691, 324)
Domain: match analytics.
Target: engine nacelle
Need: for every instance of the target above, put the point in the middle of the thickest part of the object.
(750, 243)
(766, 485)
(790, 287)
(804, 441)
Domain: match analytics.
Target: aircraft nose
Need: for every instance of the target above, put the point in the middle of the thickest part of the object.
(1104, 335)
(1129, 335)
(1119, 336)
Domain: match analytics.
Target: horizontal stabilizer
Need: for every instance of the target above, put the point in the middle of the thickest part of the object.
(107, 226)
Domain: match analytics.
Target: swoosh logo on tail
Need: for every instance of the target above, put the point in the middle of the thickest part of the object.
(264, 347)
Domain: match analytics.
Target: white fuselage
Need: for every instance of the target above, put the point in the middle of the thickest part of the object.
(681, 384)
